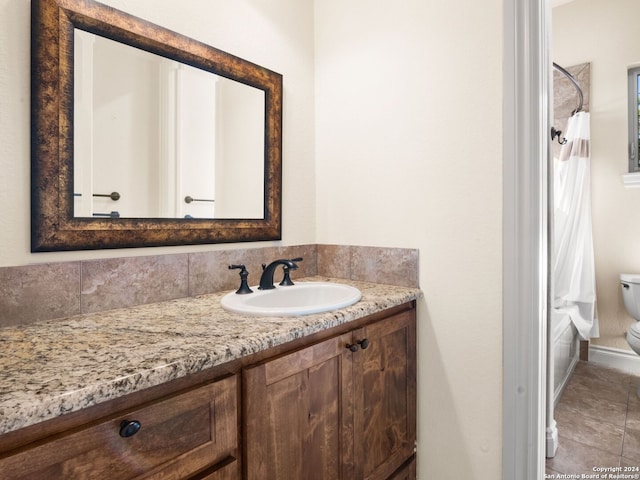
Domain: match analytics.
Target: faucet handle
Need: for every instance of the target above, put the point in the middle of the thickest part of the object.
(286, 280)
(244, 286)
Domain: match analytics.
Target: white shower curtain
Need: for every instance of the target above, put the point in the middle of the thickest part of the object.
(573, 262)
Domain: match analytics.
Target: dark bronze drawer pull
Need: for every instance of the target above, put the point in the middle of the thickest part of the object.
(129, 428)
(363, 344)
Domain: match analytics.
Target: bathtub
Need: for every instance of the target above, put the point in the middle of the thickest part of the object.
(564, 353)
(562, 358)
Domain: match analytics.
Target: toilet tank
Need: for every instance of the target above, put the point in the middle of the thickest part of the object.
(630, 284)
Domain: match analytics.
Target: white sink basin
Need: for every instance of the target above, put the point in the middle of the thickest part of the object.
(300, 299)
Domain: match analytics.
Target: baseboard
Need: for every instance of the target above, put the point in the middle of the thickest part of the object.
(616, 358)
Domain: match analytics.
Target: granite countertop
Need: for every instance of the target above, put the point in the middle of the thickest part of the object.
(51, 368)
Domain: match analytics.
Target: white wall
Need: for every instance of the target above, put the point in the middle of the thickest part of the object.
(616, 209)
(277, 34)
(407, 153)
(408, 149)
(239, 182)
(124, 137)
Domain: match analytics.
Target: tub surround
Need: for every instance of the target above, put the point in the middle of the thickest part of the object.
(50, 368)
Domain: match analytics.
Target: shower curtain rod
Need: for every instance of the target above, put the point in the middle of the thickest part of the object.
(575, 84)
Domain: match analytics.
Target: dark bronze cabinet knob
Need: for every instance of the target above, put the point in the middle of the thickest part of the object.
(363, 344)
(129, 428)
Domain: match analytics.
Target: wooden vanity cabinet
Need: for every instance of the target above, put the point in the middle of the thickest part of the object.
(343, 408)
(192, 434)
(406, 472)
(338, 404)
(385, 396)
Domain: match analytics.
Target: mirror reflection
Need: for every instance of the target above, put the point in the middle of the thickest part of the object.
(155, 138)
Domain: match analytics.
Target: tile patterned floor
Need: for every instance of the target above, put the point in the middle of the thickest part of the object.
(598, 419)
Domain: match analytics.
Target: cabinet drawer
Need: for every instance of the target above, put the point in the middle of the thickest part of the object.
(178, 436)
(228, 471)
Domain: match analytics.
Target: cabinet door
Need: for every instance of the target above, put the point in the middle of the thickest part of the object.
(229, 470)
(178, 436)
(385, 396)
(298, 414)
(406, 472)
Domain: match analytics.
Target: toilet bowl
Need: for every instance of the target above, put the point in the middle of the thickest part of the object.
(633, 337)
(630, 284)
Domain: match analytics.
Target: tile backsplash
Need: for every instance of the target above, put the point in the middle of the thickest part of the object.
(57, 290)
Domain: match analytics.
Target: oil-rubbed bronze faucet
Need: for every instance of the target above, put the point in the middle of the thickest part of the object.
(266, 280)
(244, 285)
(286, 280)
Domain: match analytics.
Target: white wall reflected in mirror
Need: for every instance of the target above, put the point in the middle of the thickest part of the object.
(159, 133)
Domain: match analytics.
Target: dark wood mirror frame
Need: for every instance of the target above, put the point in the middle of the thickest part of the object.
(53, 225)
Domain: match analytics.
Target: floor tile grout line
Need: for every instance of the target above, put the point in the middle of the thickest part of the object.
(631, 390)
(600, 449)
(626, 417)
(629, 380)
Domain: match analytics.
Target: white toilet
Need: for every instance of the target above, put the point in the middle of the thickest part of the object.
(630, 284)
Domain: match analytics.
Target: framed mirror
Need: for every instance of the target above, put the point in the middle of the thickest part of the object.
(142, 136)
